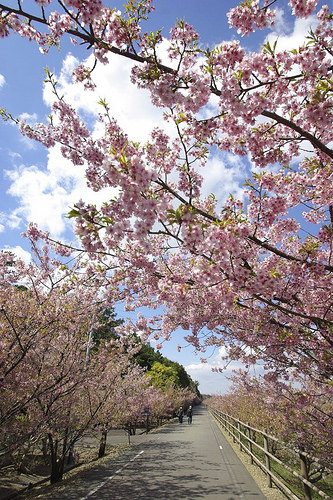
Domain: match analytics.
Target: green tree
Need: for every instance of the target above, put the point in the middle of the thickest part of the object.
(163, 376)
(147, 356)
(183, 378)
(106, 330)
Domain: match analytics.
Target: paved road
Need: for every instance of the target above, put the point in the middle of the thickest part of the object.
(179, 462)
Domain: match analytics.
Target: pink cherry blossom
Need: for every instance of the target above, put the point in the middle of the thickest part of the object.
(252, 275)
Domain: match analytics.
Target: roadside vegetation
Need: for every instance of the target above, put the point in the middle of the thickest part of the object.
(68, 372)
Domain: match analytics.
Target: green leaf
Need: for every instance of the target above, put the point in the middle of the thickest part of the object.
(73, 213)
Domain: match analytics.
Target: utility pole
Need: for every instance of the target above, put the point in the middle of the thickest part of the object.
(90, 338)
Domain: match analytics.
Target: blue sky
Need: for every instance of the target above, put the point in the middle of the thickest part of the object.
(38, 185)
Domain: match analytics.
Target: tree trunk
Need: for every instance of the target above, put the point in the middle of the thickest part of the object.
(45, 448)
(305, 474)
(102, 443)
(57, 470)
(57, 463)
(70, 458)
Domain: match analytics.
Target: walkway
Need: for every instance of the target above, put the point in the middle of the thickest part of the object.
(178, 462)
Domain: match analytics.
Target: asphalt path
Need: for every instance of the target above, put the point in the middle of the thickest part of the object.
(178, 462)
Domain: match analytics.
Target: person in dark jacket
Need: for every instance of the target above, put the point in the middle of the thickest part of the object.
(180, 415)
(189, 414)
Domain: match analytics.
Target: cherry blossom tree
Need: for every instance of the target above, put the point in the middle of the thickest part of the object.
(110, 377)
(300, 416)
(167, 395)
(43, 357)
(55, 386)
(243, 274)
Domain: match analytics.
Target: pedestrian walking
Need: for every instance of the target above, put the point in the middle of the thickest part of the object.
(180, 415)
(189, 414)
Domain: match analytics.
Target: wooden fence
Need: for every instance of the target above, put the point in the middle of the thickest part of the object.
(261, 446)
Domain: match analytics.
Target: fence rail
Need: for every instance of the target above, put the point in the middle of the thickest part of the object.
(261, 453)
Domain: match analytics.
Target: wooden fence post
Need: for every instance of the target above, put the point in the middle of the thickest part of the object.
(239, 436)
(225, 422)
(268, 462)
(233, 431)
(250, 444)
(305, 474)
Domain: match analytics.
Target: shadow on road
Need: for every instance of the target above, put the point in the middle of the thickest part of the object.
(164, 476)
(178, 462)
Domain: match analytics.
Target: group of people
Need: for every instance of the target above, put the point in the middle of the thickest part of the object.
(189, 413)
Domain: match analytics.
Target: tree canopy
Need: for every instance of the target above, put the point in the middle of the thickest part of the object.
(170, 372)
(254, 274)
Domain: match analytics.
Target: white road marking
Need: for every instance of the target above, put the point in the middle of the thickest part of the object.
(228, 466)
(111, 477)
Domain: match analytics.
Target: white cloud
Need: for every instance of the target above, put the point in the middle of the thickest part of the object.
(212, 382)
(14, 220)
(290, 37)
(129, 105)
(28, 143)
(45, 196)
(224, 174)
(2, 80)
(19, 252)
(41, 199)
(14, 155)
(28, 118)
